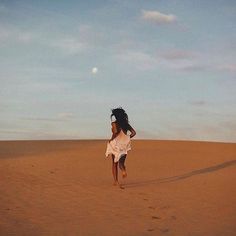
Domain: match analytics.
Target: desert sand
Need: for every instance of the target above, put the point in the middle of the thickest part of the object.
(65, 188)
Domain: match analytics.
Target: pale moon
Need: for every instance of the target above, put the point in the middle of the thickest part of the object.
(94, 70)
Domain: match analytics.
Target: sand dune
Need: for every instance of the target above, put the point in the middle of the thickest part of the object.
(65, 188)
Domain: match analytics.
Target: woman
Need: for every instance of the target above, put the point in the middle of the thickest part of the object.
(119, 144)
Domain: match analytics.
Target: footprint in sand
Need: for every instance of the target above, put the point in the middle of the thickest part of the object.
(164, 230)
(173, 217)
(165, 207)
(151, 207)
(156, 217)
(150, 230)
(145, 199)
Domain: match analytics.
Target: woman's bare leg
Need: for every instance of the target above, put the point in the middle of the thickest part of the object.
(115, 170)
(122, 166)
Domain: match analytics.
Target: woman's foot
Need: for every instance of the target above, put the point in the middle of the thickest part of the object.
(121, 186)
(124, 174)
(116, 183)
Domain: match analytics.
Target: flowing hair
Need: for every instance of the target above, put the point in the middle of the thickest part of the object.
(121, 118)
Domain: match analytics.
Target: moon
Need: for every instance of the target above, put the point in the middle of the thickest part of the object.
(94, 70)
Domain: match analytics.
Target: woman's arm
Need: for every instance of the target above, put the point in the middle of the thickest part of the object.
(115, 131)
(133, 132)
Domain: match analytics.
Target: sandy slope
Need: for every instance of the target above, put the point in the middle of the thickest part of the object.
(65, 188)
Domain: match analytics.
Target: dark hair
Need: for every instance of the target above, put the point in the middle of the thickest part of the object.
(121, 118)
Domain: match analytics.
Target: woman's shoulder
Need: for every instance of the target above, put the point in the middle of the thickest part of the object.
(115, 124)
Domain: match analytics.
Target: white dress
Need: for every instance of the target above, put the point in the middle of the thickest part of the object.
(119, 146)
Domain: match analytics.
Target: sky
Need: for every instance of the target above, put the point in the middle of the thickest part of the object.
(171, 64)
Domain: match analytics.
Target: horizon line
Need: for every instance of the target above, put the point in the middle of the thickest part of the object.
(101, 139)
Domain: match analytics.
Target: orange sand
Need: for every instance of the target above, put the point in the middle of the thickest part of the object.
(65, 188)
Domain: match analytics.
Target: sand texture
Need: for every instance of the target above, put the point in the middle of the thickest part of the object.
(65, 188)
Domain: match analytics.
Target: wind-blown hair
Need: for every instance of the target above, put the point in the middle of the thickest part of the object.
(121, 118)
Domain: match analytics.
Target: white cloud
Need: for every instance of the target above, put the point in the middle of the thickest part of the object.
(158, 17)
(69, 45)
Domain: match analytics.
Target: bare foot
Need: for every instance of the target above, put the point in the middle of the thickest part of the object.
(121, 187)
(124, 174)
(116, 183)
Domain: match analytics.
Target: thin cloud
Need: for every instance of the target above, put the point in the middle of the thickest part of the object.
(195, 68)
(178, 55)
(11, 34)
(69, 45)
(42, 119)
(87, 38)
(65, 115)
(198, 103)
(158, 17)
(138, 59)
(228, 67)
(230, 124)
(36, 134)
(25, 37)
(91, 35)
(146, 134)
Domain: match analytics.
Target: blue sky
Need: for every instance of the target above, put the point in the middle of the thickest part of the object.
(170, 64)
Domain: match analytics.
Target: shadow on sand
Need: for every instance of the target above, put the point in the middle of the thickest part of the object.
(183, 176)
